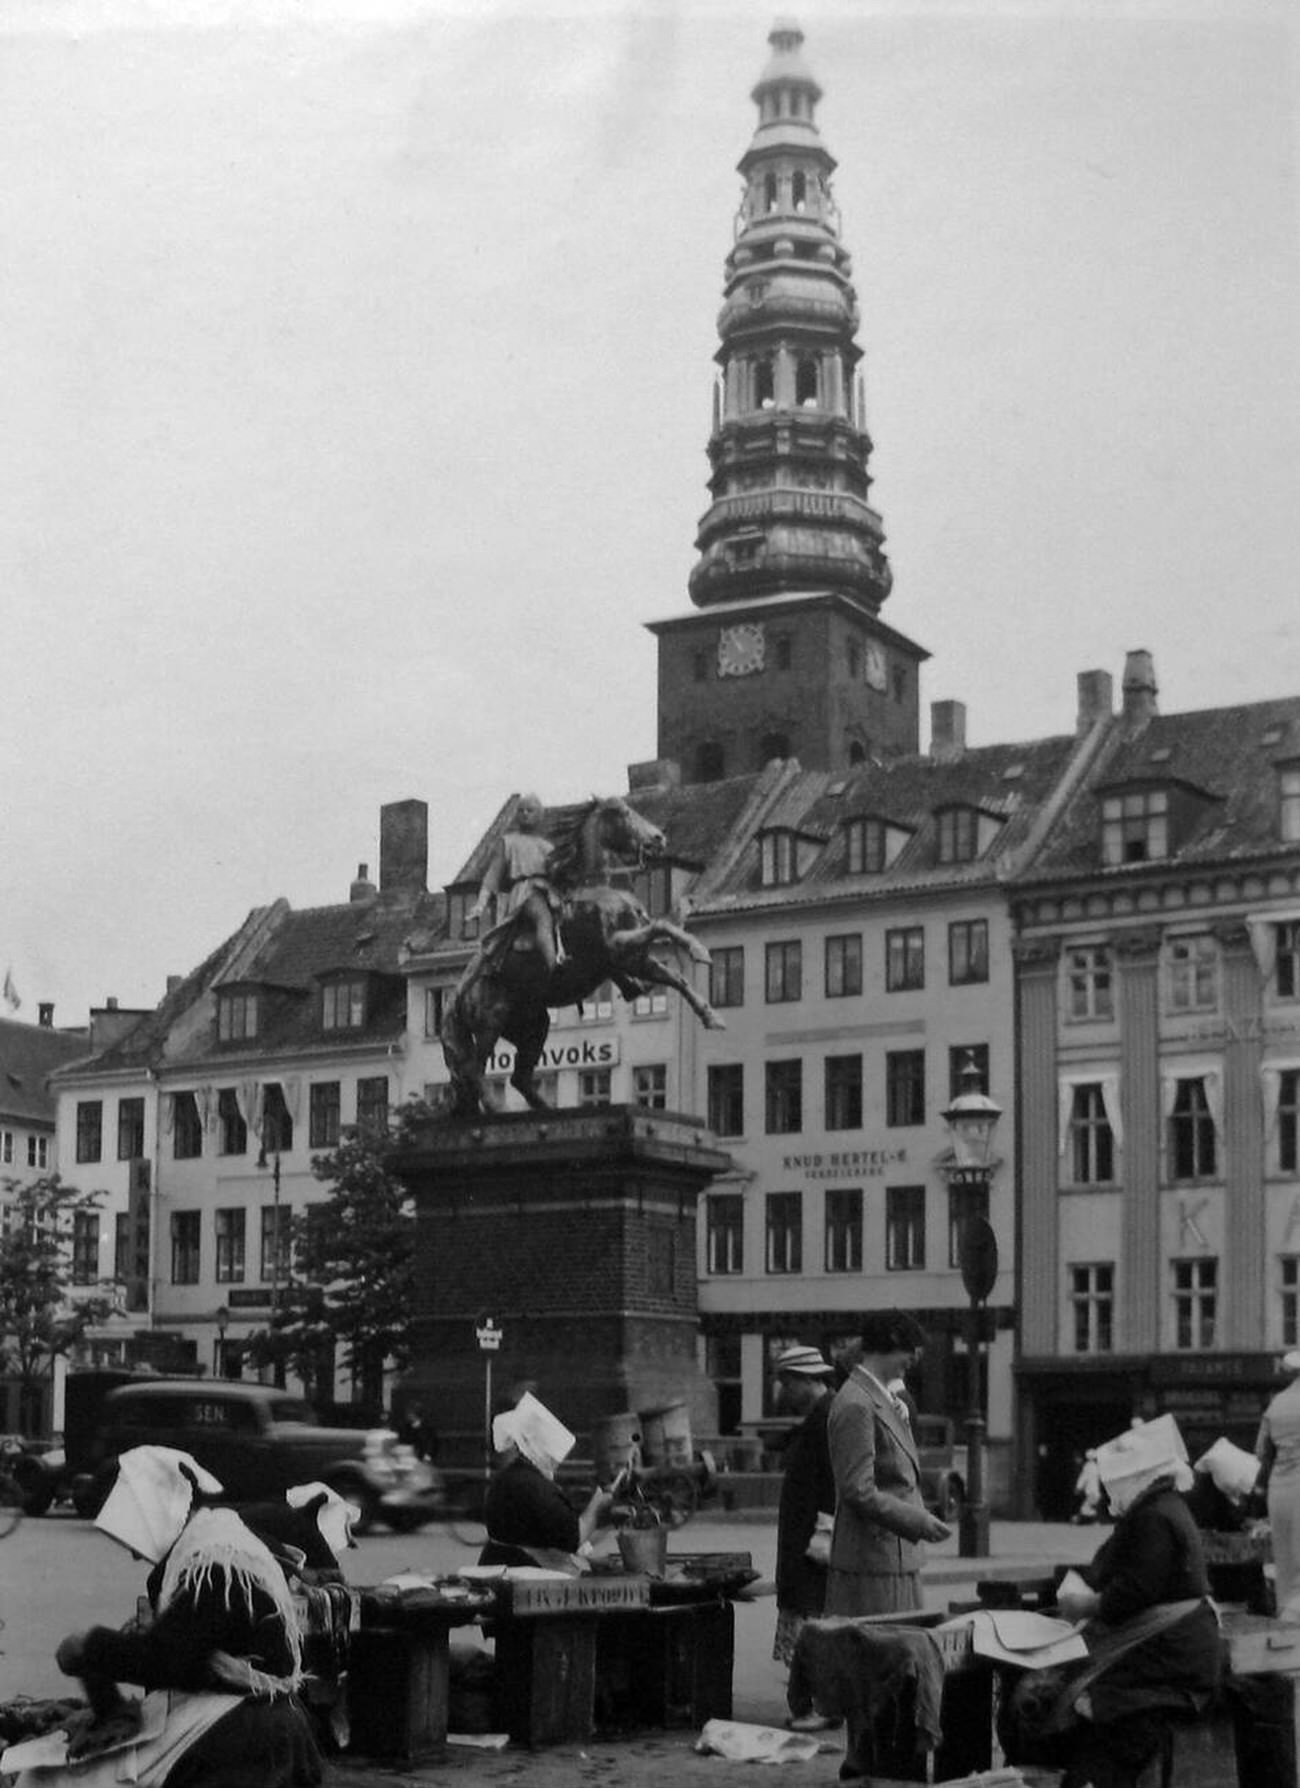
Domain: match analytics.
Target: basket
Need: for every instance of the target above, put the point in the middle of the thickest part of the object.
(644, 1550)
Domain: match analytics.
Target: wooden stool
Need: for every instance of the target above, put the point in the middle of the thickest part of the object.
(1198, 1754)
(398, 1692)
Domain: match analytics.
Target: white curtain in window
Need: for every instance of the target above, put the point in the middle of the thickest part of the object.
(169, 1112)
(248, 1097)
(291, 1088)
(1263, 936)
(206, 1099)
(1209, 1073)
(1105, 1078)
(1271, 1079)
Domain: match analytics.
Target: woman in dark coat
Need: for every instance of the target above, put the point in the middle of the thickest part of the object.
(806, 1511)
(528, 1517)
(1154, 1648)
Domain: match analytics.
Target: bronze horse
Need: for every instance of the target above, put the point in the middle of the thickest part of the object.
(508, 991)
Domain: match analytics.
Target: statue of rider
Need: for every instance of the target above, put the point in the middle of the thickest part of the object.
(516, 873)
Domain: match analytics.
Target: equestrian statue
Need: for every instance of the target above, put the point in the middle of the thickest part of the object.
(561, 930)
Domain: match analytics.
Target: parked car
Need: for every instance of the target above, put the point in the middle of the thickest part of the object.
(943, 1466)
(258, 1441)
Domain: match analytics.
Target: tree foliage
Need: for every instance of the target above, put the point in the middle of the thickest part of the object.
(39, 1316)
(353, 1274)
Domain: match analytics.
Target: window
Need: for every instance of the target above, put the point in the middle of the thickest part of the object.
(805, 378)
(232, 1131)
(435, 1000)
(843, 1092)
(764, 369)
(1090, 992)
(785, 1232)
(956, 832)
(960, 1057)
(187, 1127)
(7, 1144)
(1092, 1142)
(1191, 1132)
(727, 976)
(185, 1247)
(964, 1202)
(343, 1004)
(844, 1230)
(599, 1006)
(1288, 780)
(122, 1247)
(236, 1017)
(650, 1005)
(90, 1131)
(904, 1228)
(864, 846)
(1092, 1301)
(1288, 960)
(595, 1086)
(1193, 974)
(130, 1129)
(230, 1246)
(277, 1125)
(1135, 827)
(277, 1222)
(784, 1103)
(1288, 1120)
(904, 1087)
(323, 1115)
(843, 966)
(724, 1232)
(650, 1086)
(1196, 1299)
(904, 958)
(784, 972)
(968, 952)
(85, 1247)
(727, 1099)
(1288, 1283)
(38, 1151)
(372, 1104)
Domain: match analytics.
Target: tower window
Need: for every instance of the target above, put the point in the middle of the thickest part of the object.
(805, 382)
(764, 383)
(800, 191)
(769, 192)
(709, 762)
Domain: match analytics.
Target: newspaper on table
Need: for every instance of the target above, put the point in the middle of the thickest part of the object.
(1021, 1636)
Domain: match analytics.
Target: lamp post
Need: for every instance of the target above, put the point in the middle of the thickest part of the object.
(219, 1358)
(278, 1368)
(972, 1118)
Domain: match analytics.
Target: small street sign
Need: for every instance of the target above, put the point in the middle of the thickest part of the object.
(489, 1335)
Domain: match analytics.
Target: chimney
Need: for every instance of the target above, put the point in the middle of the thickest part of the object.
(363, 888)
(654, 773)
(1096, 699)
(1139, 690)
(110, 1004)
(404, 847)
(947, 729)
(45, 1015)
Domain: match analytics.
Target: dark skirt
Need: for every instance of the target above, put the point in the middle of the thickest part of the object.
(265, 1741)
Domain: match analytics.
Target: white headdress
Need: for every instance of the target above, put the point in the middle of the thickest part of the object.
(541, 1437)
(150, 1501)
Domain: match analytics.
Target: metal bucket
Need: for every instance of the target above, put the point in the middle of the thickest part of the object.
(644, 1550)
(666, 1435)
(615, 1443)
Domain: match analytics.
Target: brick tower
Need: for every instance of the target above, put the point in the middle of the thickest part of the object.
(787, 656)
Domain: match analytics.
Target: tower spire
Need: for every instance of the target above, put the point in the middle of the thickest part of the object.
(789, 450)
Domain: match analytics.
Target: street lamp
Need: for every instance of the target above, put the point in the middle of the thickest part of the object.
(219, 1359)
(972, 1118)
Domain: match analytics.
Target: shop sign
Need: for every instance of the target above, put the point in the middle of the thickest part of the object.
(841, 1164)
(585, 1052)
(247, 1300)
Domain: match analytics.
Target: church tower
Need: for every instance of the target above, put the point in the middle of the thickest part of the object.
(787, 655)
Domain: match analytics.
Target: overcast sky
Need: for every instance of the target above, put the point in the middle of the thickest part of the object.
(355, 384)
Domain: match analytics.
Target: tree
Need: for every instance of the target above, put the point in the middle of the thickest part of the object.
(353, 1277)
(39, 1318)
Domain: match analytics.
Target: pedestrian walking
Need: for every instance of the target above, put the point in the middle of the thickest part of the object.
(805, 1514)
(1278, 1450)
(880, 1515)
(1087, 1488)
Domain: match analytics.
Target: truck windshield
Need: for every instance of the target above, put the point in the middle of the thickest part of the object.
(291, 1409)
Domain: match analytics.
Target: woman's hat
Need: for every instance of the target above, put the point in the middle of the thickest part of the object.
(803, 1362)
(1149, 1448)
(150, 1502)
(1230, 1468)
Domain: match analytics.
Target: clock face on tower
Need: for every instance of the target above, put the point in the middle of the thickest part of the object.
(741, 649)
(876, 669)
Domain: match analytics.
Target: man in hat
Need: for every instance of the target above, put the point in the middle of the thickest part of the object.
(880, 1515)
(806, 1512)
(1278, 1450)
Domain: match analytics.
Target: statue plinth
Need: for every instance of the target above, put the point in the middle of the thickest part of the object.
(574, 1231)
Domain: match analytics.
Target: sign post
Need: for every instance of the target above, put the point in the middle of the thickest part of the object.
(488, 1336)
(979, 1271)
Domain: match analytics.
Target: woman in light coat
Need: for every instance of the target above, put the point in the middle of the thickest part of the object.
(1278, 1451)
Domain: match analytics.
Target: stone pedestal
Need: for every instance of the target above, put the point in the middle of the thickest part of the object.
(574, 1231)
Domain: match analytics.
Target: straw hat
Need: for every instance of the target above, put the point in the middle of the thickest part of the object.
(802, 1362)
(531, 1428)
(149, 1503)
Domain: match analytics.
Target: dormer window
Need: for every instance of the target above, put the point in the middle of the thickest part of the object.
(237, 1015)
(776, 858)
(1135, 826)
(865, 846)
(958, 834)
(1288, 779)
(343, 1004)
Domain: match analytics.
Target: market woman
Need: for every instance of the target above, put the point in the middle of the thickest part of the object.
(1154, 1648)
(528, 1517)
